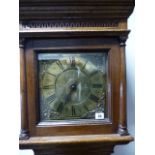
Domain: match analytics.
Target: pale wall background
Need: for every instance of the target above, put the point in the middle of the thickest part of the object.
(130, 71)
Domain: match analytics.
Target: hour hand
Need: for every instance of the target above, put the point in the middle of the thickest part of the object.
(60, 107)
(72, 88)
(67, 98)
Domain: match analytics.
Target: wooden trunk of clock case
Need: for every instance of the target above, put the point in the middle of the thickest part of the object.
(78, 149)
(32, 84)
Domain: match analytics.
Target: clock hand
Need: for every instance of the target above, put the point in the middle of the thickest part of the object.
(67, 98)
(73, 88)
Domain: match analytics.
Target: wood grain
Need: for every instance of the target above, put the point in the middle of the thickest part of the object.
(98, 138)
(75, 10)
(122, 101)
(75, 145)
(23, 92)
(32, 86)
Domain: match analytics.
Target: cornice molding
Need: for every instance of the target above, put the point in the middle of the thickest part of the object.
(77, 2)
(75, 9)
(59, 33)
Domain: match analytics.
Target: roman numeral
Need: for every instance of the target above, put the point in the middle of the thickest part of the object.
(97, 85)
(60, 64)
(73, 111)
(84, 65)
(94, 98)
(48, 87)
(51, 98)
(51, 74)
(72, 61)
(44, 66)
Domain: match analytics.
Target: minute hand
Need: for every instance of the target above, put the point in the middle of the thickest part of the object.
(72, 88)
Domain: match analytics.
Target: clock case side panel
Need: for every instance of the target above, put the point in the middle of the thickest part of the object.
(32, 85)
(32, 91)
(24, 133)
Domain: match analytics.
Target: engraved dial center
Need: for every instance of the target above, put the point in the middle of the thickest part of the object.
(73, 84)
(73, 87)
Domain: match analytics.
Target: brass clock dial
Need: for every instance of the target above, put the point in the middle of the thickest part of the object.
(71, 85)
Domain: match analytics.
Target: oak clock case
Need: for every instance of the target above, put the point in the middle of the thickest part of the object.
(72, 90)
(73, 76)
(72, 86)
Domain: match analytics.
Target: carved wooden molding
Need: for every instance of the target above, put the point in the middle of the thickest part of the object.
(72, 33)
(21, 42)
(122, 40)
(59, 24)
(77, 145)
(75, 9)
(24, 134)
(76, 139)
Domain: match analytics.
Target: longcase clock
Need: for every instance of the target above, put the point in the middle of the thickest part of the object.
(73, 82)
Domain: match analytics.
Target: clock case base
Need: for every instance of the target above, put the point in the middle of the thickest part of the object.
(75, 145)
